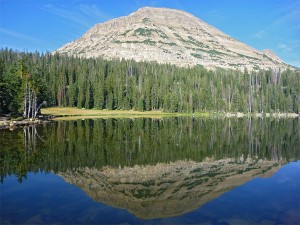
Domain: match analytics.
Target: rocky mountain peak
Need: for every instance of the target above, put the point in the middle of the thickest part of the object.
(164, 16)
(271, 54)
(169, 36)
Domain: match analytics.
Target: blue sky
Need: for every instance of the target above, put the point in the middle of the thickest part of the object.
(45, 25)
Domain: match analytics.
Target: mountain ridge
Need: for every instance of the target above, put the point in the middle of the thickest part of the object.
(169, 36)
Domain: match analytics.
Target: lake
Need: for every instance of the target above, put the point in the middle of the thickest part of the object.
(152, 171)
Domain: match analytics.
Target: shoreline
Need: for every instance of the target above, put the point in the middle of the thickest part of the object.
(262, 115)
(13, 124)
(68, 113)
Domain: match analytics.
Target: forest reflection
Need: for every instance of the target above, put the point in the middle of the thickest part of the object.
(70, 145)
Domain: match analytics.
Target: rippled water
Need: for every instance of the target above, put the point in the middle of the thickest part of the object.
(152, 171)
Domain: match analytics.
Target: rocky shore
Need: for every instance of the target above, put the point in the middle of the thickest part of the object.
(7, 123)
(262, 115)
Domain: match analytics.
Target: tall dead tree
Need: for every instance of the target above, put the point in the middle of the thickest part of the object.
(30, 108)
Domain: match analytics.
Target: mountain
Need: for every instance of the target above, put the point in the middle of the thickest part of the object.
(169, 36)
(167, 190)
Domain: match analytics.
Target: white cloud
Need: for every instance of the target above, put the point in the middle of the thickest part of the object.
(21, 41)
(83, 17)
(216, 14)
(282, 46)
(18, 35)
(93, 12)
(288, 18)
(290, 46)
(72, 16)
(290, 51)
(259, 34)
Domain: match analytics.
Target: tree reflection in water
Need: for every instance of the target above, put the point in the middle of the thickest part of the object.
(71, 145)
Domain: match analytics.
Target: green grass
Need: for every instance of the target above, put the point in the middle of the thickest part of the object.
(69, 113)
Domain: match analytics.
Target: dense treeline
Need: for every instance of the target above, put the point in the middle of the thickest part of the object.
(115, 84)
(69, 145)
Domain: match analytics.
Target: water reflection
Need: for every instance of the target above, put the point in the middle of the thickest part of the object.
(153, 167)
(167, 190)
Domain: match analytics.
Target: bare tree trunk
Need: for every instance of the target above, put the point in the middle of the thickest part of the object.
(29, 104)
(38, 108)
(33, 105)
(25, 100)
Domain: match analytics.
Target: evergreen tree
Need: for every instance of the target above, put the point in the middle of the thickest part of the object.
(27, 79)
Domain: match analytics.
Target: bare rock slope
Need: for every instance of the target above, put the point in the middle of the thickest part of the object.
(169, 36)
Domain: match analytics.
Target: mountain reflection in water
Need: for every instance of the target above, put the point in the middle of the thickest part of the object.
(167, 190)
(154, 168)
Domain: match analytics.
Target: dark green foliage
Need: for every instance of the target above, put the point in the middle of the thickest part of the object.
(167, 43)
(249, 57)
(20, 73)
(149, 32)
(121, 84)
(146, 20)
(126, 32)
(197, 55)
(69, 145)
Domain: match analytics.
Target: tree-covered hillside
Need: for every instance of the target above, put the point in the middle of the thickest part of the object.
(113, 84)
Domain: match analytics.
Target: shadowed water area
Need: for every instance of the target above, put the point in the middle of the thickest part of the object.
(152, 171)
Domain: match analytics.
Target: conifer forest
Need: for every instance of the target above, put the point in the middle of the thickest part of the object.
(30, 80)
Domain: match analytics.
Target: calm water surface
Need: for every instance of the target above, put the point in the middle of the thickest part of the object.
(152, 171)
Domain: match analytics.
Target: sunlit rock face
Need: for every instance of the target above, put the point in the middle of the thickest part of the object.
(166, 190)
(169, 36)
